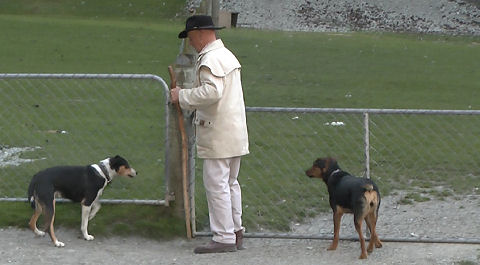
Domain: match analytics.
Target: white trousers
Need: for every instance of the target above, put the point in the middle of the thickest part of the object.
(224, 197)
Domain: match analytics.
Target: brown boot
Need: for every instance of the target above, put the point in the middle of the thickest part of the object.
(215, 247)
(239, 240)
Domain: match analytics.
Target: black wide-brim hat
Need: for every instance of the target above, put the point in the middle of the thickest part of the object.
(198, 22)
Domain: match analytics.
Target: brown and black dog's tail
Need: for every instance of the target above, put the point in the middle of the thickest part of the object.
(371, 196)
(368, 187)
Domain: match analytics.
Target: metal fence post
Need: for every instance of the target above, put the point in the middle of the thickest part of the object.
(367, 144)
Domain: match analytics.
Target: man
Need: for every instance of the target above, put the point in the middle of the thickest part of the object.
(221, 131)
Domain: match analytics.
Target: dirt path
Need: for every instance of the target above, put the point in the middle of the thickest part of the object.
(22, 247)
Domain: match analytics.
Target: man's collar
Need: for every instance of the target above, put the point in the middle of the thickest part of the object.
(212, 46)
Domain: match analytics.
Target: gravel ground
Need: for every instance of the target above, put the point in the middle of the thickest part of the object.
(21, 247)
(432, 219)
(449, 218)
(426, 16)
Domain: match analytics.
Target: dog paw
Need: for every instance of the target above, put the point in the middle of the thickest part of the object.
(59, 244)
(363, 256)
(88, 237)
(39, 233)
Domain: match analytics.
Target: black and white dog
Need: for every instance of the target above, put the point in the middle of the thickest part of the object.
(82, 184)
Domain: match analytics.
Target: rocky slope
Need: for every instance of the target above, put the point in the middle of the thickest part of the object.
(425, 16)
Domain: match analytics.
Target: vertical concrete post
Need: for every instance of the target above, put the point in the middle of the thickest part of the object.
(205, 7)
(211, 8)
(216, 12)
(184, 67)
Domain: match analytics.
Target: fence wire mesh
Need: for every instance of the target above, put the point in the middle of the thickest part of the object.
(427, 155)
(48, 120)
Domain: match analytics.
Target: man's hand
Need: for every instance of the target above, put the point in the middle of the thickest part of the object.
(174, 94)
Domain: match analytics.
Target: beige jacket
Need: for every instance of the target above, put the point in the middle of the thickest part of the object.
(217, 97)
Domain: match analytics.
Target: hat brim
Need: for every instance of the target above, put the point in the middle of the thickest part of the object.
(183, 34)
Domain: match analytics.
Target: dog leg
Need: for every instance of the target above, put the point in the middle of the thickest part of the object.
(337, 217)
(358, 227)
(371, 228)
(85, 214)
(33, 221)
(95, 208)
(49, 212)
(33, 224)
(374, 240)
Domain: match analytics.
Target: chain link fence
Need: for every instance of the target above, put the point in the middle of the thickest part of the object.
(54, 119)
(433, 154)
(80, 119)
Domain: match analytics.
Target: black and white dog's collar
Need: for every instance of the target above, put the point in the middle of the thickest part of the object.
(102, 171)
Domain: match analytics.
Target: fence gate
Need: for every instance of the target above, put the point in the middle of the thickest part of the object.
(68, 119)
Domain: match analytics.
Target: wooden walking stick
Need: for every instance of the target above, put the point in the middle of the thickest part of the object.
(181, 127)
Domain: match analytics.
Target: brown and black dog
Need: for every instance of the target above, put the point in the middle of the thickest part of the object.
(349, 194)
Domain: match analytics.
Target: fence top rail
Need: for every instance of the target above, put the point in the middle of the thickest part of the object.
(363, 111)
(83, 76)
(249, 109)
(77, 76)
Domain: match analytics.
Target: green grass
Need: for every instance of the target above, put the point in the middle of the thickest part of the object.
(52, 45)
(379, 70)
(147, 221)
(123, 10)
(289, 69)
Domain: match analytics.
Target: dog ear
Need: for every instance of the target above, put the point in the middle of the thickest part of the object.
(332, 165)
(118, 161)
(111, 162)
(319, 162)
